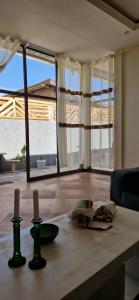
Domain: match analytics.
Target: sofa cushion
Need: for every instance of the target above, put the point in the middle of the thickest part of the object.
(130, 201)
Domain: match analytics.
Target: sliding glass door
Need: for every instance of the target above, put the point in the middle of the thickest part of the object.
(12, 121)
(77, 120)
(40, 91)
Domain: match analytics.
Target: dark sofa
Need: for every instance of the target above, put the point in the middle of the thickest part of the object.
(124, 188)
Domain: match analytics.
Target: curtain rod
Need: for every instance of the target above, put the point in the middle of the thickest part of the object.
(32, 46)
(53, 53)
(104, 58)
(91, 62)
(38, 49)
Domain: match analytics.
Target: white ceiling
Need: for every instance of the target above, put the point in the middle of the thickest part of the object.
(74, 27)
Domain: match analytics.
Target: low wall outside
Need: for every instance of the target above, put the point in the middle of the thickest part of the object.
(43, 143)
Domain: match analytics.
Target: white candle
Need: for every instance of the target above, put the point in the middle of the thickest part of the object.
(16, 202)
(36, 204)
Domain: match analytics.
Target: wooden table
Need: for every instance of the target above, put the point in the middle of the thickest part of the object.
(81, 264)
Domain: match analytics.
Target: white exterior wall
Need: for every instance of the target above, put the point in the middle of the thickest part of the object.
(42, 138)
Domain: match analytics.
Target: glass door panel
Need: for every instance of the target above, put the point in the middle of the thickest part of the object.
(41, 90)
(41, 74)
(12, 138)
(42, 137)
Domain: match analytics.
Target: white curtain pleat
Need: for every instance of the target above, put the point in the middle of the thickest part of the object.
(102, 113)
(73, 109)
(81, 130)
(61, 114)
(86, 113)
(110, 134)
(7, 49)
(100, 134)
(118, 110)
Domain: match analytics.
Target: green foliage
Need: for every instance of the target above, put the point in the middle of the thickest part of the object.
(22, 154)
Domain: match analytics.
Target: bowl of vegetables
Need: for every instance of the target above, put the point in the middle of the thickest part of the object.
(103, 214)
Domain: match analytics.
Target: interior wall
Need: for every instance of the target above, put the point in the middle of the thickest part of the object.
(127, 109)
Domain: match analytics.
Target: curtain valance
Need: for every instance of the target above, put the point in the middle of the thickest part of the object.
(7, 49)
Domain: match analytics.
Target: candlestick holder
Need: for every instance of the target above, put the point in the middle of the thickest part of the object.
(38, 261)
(17, 260)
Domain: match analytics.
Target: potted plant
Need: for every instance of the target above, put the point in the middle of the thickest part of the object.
(21, 158)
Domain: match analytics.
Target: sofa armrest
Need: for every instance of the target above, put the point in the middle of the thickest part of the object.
(131, 183)
(122, 181)
(130, 201)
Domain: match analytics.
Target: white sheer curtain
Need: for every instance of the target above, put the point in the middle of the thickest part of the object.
(85, 114)
(118, 109)
(7, 49)
(61, 114)
(73, 114)
(102, 113)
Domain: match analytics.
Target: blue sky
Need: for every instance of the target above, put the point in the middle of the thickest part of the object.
(12, 77)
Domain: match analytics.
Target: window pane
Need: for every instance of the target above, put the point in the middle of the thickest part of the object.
(72, 80)
(102, 152)
(41, 75)
(102, 113)
(12, 136)
(42, 137)
(72, 116)
(98, 85)
(73, 155)
(73, 147)
(11, 78)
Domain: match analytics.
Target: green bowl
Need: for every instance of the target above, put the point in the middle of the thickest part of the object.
(48, 233)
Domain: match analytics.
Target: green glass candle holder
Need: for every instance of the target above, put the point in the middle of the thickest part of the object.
(38, 262)
(17, 260)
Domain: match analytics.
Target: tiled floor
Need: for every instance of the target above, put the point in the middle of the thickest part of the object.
(21, 174)
(57, 195)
